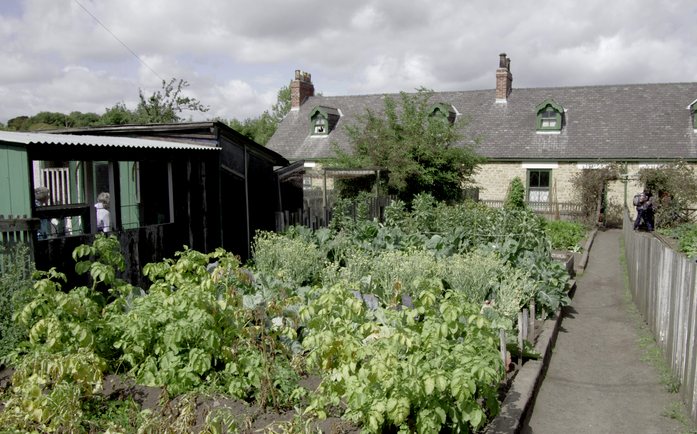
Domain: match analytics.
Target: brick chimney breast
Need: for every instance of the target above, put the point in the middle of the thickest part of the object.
(504, 79)
(300, 89)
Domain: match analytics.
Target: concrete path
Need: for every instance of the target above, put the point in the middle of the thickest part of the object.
(596, 382)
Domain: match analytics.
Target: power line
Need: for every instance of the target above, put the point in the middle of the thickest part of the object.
(105, 28)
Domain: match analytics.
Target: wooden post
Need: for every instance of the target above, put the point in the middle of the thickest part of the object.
(502, 342)
(286, 213)
(377, 186)
(526, 322)
(324, 188)
(520, 340)
(531, 336)
(115, 195)
(170, 186)
(88, 172)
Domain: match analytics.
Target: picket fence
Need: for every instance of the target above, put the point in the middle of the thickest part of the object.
(662, 284)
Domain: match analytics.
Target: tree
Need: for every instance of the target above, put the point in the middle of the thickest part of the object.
(119, 114)
(422, 152)
(282, 106)
(165, 107)
(674, 187)
(590, 186)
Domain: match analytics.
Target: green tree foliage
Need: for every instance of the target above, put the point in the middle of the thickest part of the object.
(674, 186)
(261, 128)
(166, 106)
(516, 197)
(15, 124)
(162, 107)
(590, 184)
(119, 114)
(422, 152)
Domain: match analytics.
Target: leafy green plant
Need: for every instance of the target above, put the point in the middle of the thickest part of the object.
(289, 258)
(516, 196)
(565, 235)
(686, 234)
(16, 282)
(431, 368)
(47, 391)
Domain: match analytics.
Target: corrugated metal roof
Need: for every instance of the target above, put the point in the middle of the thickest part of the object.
(119, 142)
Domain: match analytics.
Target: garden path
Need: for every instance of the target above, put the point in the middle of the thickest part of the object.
(596, 381)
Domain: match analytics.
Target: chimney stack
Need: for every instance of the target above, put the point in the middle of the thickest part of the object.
(504, 78)
(300, 89)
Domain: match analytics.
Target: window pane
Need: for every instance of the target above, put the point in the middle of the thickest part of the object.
(544, 179)
(534, 179)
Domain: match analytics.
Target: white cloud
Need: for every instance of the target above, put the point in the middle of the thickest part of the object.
(237, 54)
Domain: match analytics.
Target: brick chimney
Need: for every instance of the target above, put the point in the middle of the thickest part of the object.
(504, 78)
(300, 89)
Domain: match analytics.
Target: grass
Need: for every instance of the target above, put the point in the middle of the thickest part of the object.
(653, 354)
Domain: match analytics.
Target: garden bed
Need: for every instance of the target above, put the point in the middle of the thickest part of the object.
(400, 321)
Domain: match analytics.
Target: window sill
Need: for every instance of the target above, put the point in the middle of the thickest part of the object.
(549, 132)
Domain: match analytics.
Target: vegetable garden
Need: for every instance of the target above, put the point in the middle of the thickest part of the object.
(400, 321)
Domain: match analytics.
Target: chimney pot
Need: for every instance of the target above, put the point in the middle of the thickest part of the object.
(300, 89)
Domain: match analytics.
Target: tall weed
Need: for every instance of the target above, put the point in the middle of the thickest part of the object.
(16, 283)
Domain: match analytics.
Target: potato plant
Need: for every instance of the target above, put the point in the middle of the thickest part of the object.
(432, 367)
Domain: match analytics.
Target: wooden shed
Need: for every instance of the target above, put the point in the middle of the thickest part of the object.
(201, 185)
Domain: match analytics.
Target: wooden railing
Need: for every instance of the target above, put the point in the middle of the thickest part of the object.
(321, 217)
(551, 210)
(18, 229)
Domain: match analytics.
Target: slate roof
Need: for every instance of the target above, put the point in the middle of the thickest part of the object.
(614, 122)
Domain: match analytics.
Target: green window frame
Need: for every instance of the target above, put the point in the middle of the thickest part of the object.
(443, 111)
(539, 182)
(549, 116)
(320, 125)
(694, 116)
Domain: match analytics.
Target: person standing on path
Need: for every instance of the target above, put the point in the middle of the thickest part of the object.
(644, 210)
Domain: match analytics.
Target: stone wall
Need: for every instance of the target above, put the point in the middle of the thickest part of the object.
(493, 180)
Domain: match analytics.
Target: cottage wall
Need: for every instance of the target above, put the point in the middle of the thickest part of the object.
(493, 180)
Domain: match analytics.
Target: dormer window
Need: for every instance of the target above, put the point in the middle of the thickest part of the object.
(319, 124)
(323, 120)
(444, 111)
(694, 116)
(549, 116)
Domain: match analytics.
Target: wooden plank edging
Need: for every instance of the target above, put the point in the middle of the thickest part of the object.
(520, 398)
(586, 250)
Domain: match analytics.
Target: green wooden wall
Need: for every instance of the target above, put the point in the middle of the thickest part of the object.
(15, 198)
(130, 210)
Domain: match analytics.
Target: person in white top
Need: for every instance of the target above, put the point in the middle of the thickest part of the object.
(103, 215)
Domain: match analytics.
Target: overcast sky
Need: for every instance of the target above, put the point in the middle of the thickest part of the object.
(236, 55)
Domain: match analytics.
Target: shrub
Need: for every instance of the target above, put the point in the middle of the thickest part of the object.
(290, 259)
(566, 235)
(516, 197)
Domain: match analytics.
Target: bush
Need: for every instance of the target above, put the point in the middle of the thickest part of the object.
(516, 197)
(566, 235)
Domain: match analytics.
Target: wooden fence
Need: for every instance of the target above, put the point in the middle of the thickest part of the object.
(551, 210)
(18, 229)
(662, 283)
(321, 217)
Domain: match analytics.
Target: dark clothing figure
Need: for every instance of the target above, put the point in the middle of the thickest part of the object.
(41, 196)
(644, 211)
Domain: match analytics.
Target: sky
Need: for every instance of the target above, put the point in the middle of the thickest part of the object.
(54, 55)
